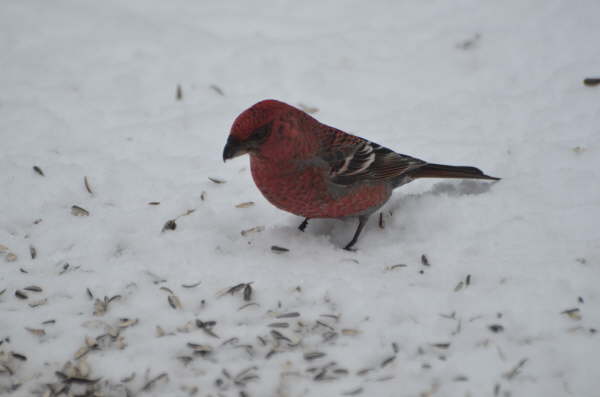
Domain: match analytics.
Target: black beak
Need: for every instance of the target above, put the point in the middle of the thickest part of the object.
(233, 148)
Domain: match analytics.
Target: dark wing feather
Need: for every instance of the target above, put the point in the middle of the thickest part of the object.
(354, 159)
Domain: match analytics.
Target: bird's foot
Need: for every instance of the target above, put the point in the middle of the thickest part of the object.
(303, 225)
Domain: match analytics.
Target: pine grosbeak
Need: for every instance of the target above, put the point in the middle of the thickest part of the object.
(316, 171)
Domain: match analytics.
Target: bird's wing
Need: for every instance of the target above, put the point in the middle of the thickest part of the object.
(352, 159)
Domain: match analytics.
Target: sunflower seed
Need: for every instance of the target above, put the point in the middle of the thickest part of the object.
(279, 336)
(154, 203)
(86, 183)
(387, 361)
(169, 225)
(247, 305)
(201, 349)
(245, 204)
(256, 229)
(82, 351)
(217, 89)
(32, 252)
(424, 260)
(575, 313)
(459, 286)
(288, 315)
(441, 345)
(191, 285)
(394, 267)
(279, 325)
(515, 370)
(216, 180)
(20, 294)
(350, 332)
(38, 170)
(18, 356)
(75, 379)
(152, 381)
(279, 250)
(496, 328)
(78, 211)
(174, 302)
(127, 322)
(7, 369)
(36, 331)
(353, 392)
(313, 355)
(232, 290)
(48, 322)
(329, 327)
(33, 288)
(591, 81)
(178, 93)
(247, 292)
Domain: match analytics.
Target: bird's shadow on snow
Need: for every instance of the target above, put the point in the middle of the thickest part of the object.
(339, 232)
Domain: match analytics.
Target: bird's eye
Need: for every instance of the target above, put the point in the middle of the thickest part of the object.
(261, 133)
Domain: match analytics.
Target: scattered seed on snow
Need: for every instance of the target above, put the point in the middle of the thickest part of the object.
(313, 355)
(394, 267)
(36, 331)
(216, 180)
(174, 302)
(424, 260)
(279, 250)
(33, 288)
(20, 294)
(86, 183)
(575, 313)
(245, 204)
(154, 203)
(18, 356)
(32, 252)
(353, 392)
(79, 211)
(10, 257)
(247, 292)
(387, 361)
(288, 315)
(194, 285)
(350, 332)
(38, 170)
(591, 81)
(169, 225)
(217, 89)
(496, 328)
(152, 381)
(256, 229)
(127, 322)
(515, 370)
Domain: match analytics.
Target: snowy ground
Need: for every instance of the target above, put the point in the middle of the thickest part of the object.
(88, 90)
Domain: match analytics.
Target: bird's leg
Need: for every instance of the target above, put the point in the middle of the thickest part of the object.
(362, 220)
(303, 224)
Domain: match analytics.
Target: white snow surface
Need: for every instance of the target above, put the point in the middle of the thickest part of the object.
(88, 89)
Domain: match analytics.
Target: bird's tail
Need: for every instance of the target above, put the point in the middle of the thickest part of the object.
(450, 171)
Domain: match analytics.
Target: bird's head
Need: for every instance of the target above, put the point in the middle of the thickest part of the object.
(254, 127)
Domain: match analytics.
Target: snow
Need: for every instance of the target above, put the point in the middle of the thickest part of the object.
(89, 90)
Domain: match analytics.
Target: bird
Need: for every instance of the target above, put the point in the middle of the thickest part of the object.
(316, 171)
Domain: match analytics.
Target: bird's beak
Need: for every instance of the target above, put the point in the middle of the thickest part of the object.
(234, 148)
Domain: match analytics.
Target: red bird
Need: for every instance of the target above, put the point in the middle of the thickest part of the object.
(316, 171)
